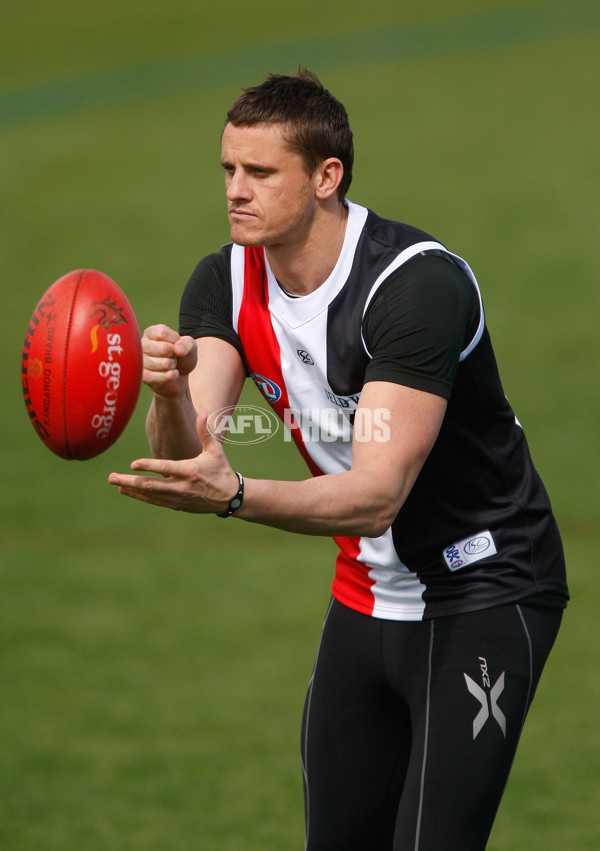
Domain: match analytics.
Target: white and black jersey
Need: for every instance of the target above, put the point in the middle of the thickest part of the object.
(477, 529)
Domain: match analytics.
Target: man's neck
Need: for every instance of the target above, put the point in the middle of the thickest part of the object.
(302, 268)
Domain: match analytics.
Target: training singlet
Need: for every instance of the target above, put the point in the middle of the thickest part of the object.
(477, 529)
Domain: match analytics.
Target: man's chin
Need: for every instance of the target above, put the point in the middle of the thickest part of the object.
(245, 241)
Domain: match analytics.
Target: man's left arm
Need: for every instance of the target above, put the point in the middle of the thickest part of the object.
(366, 499)
(362, 501)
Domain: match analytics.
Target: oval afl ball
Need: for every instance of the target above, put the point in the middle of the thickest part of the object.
(82, 364)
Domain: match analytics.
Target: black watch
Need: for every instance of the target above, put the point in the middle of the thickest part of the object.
(237, 500)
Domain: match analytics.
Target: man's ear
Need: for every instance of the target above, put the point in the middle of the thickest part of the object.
(328, 177)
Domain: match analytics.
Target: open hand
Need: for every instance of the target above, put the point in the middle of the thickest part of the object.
(201, 485)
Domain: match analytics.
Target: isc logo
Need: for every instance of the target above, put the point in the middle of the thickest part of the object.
(477, 545)
(470, 550)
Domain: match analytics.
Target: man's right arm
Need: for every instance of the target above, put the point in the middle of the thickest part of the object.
(186, 376)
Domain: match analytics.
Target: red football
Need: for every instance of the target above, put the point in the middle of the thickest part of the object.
(82, 364)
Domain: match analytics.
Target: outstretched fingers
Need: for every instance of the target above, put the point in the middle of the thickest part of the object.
(160, 469)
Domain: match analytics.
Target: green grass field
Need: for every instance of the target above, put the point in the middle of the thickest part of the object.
(153, 665)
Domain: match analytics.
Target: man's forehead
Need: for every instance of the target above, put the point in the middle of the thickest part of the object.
(255, 138)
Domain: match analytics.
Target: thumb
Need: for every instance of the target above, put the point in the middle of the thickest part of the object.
(207, 439)
(186, 351)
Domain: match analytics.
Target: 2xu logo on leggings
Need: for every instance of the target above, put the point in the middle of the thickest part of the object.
(487, 695)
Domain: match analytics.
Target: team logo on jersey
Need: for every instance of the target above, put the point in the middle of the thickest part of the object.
(305, 357)
(270, 390)
(487, 695)
(470, 550)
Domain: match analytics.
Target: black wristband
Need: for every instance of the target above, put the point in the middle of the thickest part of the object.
(237, 500)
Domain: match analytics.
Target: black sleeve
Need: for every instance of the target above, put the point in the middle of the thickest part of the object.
(420, 320)
(206, 306)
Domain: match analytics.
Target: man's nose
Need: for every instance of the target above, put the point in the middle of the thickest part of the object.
(238, 186)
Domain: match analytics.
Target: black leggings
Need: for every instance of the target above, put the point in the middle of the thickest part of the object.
(410, 728)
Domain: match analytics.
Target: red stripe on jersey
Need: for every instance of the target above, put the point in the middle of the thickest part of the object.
(352, 584)
(260, 343)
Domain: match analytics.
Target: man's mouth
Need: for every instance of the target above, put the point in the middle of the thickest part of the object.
(240, 213)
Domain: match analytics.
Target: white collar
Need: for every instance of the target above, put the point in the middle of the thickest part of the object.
(297, 311)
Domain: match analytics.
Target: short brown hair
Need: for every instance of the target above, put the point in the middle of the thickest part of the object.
(316, 123)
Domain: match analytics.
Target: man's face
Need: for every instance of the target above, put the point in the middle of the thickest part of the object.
(270, 195)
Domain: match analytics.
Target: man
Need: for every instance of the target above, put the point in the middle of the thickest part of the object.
(368, 338)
